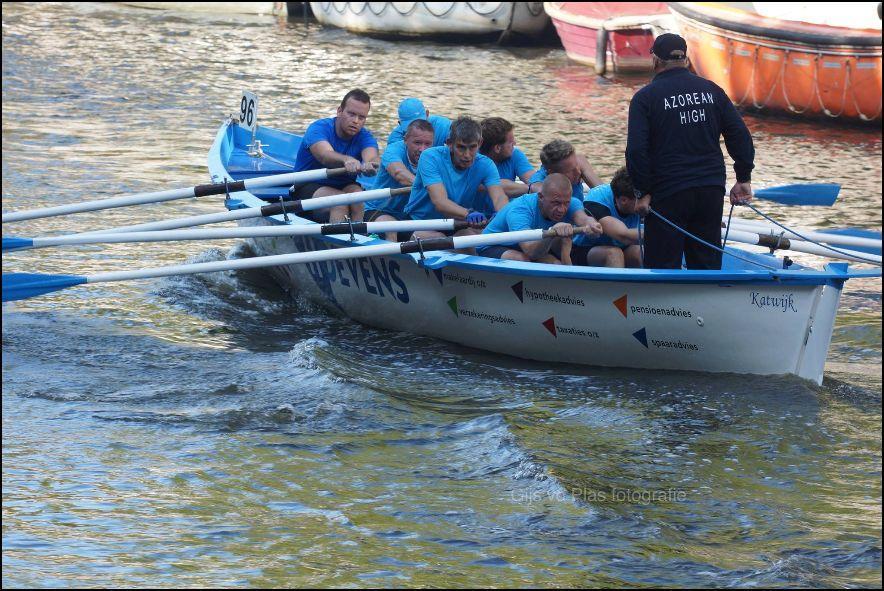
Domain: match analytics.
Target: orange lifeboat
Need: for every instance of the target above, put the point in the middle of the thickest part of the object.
(773, 64)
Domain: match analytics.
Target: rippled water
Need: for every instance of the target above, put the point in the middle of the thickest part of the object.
(208, 431)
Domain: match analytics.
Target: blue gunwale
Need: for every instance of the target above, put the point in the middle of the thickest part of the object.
(230, 136)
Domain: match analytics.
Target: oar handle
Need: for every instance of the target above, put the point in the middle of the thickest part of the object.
(550, 233)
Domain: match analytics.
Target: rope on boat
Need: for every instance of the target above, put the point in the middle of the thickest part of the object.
(728, 229)
(712, 246)
(826, 246)
(815, 90)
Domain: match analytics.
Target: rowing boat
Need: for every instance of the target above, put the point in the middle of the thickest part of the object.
(753, 316)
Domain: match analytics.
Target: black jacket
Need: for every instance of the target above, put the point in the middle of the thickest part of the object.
(675, 123)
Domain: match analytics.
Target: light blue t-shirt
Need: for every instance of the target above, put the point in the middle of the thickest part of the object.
(604, 195)
(523, 213)
(323, 130)
(514, 166)
(395, 152)
(441, 129)
(541, 174)
(435, 166)
(511, 168)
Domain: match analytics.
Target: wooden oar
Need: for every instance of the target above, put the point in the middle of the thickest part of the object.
(19, 286)
(289, 207)
(820, 194)
(278, 180)
(776, 242)
(364, 228)
(860, 243)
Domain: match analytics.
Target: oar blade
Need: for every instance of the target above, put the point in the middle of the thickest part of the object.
(21, 286)
(819, 194)
(16, 243)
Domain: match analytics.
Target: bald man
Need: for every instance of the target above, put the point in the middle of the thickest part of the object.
(553, 207)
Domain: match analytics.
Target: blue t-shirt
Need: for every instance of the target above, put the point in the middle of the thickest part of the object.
(604, 195)
(540, 176)
(441, 129)
(435, 166)
(396, 152)
(523, 213)
(323, 130)
(511, 168)
(514, 166)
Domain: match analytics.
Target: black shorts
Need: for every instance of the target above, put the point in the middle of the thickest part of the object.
(496, 251)
(305, 191)
(579, 254)
(373, 214)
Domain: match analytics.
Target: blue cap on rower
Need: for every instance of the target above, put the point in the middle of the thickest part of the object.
(670, 46)
(411, 109)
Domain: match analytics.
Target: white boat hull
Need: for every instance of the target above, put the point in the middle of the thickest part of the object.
(434, 18)
(714, 328)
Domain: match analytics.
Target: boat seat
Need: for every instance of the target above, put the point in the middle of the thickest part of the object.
(242, 166)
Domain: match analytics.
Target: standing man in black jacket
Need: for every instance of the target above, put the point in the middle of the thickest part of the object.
(674, 158)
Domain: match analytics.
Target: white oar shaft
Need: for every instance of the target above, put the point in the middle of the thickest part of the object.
(246, 232)
(807, 234)
(246, 213)
(320, 255)
(195, 220)
(344, 199)
(799, 246)
(170, 195)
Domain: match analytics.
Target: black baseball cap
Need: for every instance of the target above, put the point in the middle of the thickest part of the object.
(670, 46)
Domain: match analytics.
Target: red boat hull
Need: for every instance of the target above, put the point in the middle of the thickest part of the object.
(629, 32)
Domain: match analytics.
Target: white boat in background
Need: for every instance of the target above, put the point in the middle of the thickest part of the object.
(503, 20)
(269, 8)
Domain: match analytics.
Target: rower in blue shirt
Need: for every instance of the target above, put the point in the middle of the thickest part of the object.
(411, 109)
(398, 167)
(340, 141)
(499, 144)
(553, 207)
(613, 205)
(448, 178)
(560, 156)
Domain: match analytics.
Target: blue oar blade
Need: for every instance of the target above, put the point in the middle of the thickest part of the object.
(821, 194)
(16, 243)
(21, 286)
(858, 233)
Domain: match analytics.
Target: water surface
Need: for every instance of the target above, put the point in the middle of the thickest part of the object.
(211, 431)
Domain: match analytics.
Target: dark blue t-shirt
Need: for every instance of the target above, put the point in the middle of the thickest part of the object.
(675, 123)
(324, 131)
